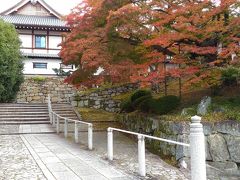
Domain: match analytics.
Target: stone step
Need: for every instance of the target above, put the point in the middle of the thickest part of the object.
(21, 113)
(59, 106)
(25, 119)
(23, 105)
(15, 114)
(12, 115)
(23, 122)
(66, 114)
(24, 110)
(62, 109)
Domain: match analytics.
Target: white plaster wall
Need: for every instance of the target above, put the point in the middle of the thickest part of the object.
(40, 51)
(51, 63)
(54, 41)
(26, 40)
(54, 51)
(26, 50)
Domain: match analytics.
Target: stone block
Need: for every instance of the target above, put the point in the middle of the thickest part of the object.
(80, 104)
(233, 144)
(207, 150)
(97, 107)
(85, 103)
(182, 151)
(218, 148)
(207, 128)
(97, 102)
(221, 170)
(74, 103)
(35, 98)
(228, 127)
(224, 165)
(29, 99)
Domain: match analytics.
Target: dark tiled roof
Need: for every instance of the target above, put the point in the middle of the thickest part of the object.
(37, 55)
(34, 20)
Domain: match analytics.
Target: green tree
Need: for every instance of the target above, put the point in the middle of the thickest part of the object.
(11, 64)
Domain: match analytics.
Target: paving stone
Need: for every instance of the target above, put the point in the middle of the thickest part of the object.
(94, 177)
(110, 172)
(85, 171)
(56, 157)
(57, 167)
(66, 176)
(15, 160)
(47, 160)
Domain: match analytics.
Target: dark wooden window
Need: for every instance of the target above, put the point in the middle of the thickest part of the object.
(40, 41)
(37, 65)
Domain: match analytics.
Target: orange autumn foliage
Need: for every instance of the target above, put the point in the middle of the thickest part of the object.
(130, 40)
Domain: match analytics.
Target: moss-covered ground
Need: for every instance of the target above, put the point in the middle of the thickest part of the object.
(96, 114)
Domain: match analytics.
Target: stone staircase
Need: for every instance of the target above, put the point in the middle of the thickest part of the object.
(17, 114)
(26, 118)
(65, 110)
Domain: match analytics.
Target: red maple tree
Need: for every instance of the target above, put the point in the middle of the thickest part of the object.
(146, 41)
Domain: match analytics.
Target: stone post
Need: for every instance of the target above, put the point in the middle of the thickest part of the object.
(110, 144)
(50, 117)
(141, 155)
(197, 150)
(65, 128)
(76, 132)
(53, 119)
(90, 137)
(58, 125)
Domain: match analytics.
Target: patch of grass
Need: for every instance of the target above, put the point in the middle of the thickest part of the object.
(122, 97)
(39, 79)
(90, 114)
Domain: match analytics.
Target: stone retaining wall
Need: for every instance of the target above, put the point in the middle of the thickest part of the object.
(36, 90)
(103, 99)
(222, 139)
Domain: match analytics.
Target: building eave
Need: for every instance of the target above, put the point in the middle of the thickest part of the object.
(31, 27)
(24, 2)
(40, 56)
(36, 22)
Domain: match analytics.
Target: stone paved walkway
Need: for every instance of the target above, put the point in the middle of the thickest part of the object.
(125, 157)
(60, 159)
(15, 160)
(51, 156)
(26, 129)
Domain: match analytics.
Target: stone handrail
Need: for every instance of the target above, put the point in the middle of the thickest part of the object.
(55, 121)
(197, 148)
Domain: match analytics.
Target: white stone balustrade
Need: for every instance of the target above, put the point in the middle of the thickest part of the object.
(55, 121)
(197, 148)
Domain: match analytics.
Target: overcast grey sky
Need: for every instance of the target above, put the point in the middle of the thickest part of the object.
(62, 6)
